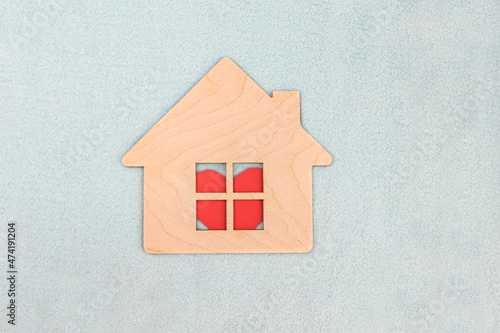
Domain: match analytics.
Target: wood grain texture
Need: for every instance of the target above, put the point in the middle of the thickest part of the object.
(228, 118)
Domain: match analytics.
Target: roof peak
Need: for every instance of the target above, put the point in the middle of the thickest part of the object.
(227, 72)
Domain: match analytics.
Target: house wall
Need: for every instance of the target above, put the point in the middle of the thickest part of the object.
(170, 212)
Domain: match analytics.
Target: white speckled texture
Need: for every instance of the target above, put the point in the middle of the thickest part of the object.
(405, 95)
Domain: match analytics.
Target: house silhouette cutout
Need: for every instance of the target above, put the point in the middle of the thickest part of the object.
(226, 118)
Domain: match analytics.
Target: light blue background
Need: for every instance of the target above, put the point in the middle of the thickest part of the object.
(405, 96)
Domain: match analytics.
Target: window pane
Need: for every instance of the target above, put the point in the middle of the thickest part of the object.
(211, 214)
(210, 177)
(248, 214)
(248, 177)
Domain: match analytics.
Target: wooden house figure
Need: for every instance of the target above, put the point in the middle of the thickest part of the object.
(227, 121)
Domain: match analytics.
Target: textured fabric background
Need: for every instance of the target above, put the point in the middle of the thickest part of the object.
(404, 94)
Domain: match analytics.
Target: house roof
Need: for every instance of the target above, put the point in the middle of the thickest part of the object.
(225, 96)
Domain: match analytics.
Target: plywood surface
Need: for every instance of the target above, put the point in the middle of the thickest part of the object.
(228, 118)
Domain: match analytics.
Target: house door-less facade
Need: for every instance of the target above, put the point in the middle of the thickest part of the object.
(227, 118)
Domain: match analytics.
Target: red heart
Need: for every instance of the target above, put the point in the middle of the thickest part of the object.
(247, 213)
(212, 213)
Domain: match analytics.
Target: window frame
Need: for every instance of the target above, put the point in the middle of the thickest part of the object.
(229, 196)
